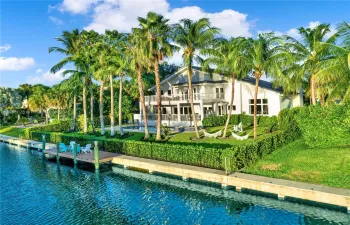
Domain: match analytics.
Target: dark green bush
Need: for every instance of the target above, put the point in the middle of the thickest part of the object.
(63, 125)
(213, 121)
(235, 157)
(287, 116)
(323, 126)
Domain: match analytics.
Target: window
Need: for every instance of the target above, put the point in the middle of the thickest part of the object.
(162, 92)
(169, 92)
(185, 110)
(233, 107)
(175, 110)
(219, 92)
(163, 110)
(262, 107)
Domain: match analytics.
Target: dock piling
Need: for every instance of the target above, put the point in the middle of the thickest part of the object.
(43, 142)
(97, 161)
(57, 151)
(75, 153)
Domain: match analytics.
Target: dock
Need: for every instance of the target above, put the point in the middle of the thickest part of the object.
(279, 187)
(85, 157)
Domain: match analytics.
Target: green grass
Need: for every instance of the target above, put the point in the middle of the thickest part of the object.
(184, 138)
(12, 131)
(295, 161)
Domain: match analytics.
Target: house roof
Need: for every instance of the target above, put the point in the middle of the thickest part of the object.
(251, 80)
(203, 82)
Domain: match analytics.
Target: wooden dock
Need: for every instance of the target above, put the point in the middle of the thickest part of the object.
(85, 157)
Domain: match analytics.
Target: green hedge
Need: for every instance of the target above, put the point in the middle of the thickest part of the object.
(286, 117)
(213, 121)
(237, 156)
(323, 126)
(63, 125)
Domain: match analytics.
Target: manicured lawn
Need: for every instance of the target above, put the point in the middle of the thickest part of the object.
(295, 161)
(184, 138)
(11, 131)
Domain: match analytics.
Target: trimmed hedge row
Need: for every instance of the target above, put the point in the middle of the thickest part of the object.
(213, 121)
(63, 125)
(323, 126)
(237, 156)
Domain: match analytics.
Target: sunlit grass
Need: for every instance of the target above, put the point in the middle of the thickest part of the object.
(295, 161)
(12, 131)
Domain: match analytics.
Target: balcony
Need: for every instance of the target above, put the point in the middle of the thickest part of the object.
(186, 97)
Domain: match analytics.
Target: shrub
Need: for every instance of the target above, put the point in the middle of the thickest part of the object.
(287, 116)
(63, 125)
(325, 126)
(213, 121)
(97, 123)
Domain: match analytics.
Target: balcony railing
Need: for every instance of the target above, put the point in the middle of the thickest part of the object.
(172, 117)
(185, 97)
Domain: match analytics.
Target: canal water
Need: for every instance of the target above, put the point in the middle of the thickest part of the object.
(36, 191)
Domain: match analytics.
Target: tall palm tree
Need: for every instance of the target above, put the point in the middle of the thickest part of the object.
(157, 32)
(138, 52)
(310, 53)
(71, 42)
(116, 42)
(193, 36)
(226, 56)
(264, 56)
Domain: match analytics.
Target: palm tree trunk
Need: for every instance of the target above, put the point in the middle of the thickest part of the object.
(58, 113)
(255, 105)
(231, 104)
(313, 90)
(159, 100)
(142, 101)
(46, 116)
(92, 108)
(84, 106)
(74, 111)
(120, 103)
(189, 75)
(112, 104)
(101, 109)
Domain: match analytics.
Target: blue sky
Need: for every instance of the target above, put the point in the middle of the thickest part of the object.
(28, 28)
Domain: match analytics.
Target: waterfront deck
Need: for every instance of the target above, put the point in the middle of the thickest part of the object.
(85, 157)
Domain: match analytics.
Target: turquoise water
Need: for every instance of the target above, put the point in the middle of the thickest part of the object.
(36, 191)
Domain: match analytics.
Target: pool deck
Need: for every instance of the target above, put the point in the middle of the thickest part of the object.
(282, 188)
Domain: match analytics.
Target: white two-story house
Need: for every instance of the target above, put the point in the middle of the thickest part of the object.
(212, 94)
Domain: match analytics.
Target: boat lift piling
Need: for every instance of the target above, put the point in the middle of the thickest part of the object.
(96, 156)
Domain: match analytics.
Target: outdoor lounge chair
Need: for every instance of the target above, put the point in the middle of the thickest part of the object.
(63, 147)
(86, 149)
(238, 128)
(241, 138)
(214, 135)
(71, 145)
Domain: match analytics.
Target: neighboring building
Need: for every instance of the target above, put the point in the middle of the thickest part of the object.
(212, 94)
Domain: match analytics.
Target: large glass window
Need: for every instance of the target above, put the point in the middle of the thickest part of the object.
(262, 107)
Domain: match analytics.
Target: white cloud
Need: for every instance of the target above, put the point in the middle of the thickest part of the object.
(75, 6)
(4, 48)
(16, 64)
(47, 78)
(122, 15)
(38, 71)
(56, 20)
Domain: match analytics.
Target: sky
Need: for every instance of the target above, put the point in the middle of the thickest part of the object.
(28, 28)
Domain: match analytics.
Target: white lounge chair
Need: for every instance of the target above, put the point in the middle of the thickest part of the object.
(71, 145)
(214, 135)
(86, 149)
(241, 138)
(238, 128)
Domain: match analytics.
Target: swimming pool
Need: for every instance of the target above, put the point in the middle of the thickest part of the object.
(36, 191)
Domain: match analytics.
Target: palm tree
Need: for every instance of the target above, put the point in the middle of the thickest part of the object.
(264, 56)
(226, 56)
(71, 45)
(192, 37)
(138, 52)
(157, 32)
(310, 54)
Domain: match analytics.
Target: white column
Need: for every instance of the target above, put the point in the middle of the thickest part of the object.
(201, 109)
(178, 112)
(140, 113)
(216, 109)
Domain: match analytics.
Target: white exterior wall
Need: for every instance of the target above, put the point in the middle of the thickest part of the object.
(244, 91)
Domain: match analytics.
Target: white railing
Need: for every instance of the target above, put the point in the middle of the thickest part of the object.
(173, 117)
(185, 97)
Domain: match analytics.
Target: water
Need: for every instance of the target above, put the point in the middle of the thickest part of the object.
(35, 191)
